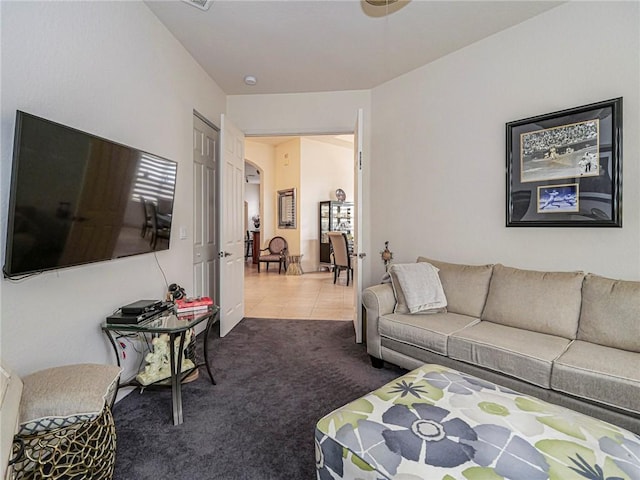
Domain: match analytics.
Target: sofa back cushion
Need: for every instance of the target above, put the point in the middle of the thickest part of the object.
(610, 313)
(545, 302)
(465, 286)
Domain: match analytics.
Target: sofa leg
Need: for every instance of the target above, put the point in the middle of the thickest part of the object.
(376, 362)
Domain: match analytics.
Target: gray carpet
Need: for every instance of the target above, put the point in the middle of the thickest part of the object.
(275, 379)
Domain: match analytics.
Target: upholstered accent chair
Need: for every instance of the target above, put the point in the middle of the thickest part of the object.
(276, 252)
(340, 255)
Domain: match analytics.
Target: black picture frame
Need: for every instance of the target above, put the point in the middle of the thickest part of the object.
(564, 169)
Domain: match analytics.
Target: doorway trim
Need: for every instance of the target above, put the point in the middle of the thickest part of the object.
(212, 207)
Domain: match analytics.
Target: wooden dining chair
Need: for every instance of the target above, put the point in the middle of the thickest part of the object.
(340, 254)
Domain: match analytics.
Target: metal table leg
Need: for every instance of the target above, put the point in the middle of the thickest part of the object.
(176, 374)
(213, 319)
(113, 344)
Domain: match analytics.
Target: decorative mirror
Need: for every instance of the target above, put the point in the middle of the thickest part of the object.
(287, 208)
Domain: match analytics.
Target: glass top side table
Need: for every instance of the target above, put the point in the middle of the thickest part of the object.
(176, 327)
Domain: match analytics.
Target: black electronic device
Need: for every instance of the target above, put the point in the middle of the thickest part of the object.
(138, 312)
(119, 318)
(141, 306)
(69, 187)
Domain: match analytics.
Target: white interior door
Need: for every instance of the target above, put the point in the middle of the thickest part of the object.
(358, 254)
(205, 235)
(231, 226)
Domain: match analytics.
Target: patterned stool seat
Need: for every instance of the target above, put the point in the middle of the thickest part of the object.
(66, 428)
(437, 423)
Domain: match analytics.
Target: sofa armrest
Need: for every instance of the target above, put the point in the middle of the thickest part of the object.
(378, 300)
(10, 393)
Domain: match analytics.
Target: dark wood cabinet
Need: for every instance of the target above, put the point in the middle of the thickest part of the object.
(334, 217)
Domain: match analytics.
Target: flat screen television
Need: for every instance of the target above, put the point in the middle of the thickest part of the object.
(77, 198)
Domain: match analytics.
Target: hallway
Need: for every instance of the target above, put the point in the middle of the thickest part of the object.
(311, 296)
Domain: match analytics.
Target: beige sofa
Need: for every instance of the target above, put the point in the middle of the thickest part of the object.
(569, 338)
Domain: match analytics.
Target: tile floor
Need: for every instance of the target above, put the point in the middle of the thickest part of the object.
(311, 296)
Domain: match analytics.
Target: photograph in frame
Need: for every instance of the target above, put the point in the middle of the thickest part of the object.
(561, 152)
(558, 198)
(564, 169)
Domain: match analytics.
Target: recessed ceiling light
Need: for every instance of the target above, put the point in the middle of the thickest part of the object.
(250, 80)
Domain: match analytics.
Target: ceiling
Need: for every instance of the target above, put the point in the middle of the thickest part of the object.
(295, 46)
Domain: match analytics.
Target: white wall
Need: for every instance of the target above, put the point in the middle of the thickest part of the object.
(111, 69)
(323, 169)
(287, 175)
(438, 142)
(298, 113)
(263, 157)
(252, 197)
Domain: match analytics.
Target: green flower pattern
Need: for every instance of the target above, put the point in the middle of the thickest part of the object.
(438, 423)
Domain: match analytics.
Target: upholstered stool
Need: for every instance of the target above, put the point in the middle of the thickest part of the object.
(438, 423)
(66, 427)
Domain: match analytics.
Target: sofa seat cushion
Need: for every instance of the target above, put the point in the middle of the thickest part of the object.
(603, 374)
(425, 331)
(520, 353)
(544, 302)
(465, 286)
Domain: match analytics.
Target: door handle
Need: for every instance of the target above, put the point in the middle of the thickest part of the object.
(362, 255)
(224, 254)
(227, 254)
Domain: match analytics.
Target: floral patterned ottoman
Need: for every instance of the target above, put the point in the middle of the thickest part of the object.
(439, 424)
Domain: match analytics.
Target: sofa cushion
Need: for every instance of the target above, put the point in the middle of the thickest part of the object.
(520, 353)
(603, 374)
(465, 286)
(425, 331)
(417, 288)
(610, 313)
(545, 302)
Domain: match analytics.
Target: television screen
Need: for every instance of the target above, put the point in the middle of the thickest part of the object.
(76, 198)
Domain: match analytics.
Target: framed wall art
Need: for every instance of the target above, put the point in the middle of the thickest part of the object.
(564, 168)
(287, 208)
